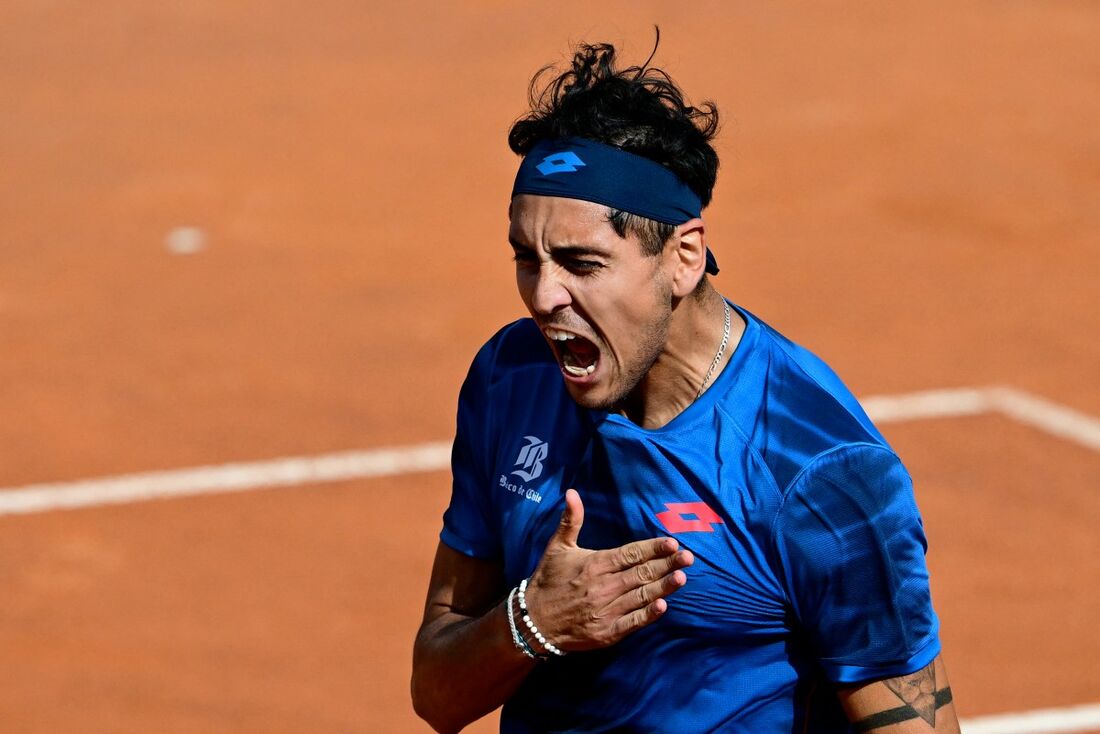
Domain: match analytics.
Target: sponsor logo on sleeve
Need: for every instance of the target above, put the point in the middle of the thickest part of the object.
(530, 467)
(530, 458)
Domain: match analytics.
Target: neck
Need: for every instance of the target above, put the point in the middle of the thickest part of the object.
(673, 382)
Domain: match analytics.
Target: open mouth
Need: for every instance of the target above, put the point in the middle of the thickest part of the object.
(577, 356)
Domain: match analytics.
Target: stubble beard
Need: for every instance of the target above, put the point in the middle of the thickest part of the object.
(632, 375)
(649, 352)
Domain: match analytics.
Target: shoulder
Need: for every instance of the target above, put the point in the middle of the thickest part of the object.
(514, 345)
(516, 351)
(514, 388)
(803, 379)
(799, 409)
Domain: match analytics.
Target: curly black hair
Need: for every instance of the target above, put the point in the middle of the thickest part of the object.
(638, 109)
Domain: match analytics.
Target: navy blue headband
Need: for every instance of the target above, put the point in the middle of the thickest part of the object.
(578, 168)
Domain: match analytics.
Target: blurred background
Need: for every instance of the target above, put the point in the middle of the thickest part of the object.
(248, 232)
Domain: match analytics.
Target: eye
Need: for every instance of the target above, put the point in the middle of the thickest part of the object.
(524, 256)
(578, 265)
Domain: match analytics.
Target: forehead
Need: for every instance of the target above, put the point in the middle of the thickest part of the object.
(551, 220)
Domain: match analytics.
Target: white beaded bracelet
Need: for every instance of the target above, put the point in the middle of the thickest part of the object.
(550, 647)
(517, 638)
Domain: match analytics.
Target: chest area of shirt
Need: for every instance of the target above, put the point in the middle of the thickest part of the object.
(712, 499)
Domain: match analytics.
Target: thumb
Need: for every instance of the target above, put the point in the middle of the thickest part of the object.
(571, 520)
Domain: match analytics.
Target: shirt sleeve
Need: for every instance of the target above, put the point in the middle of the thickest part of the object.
(467, 524)
(852, 548)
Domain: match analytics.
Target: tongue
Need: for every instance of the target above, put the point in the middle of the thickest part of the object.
(580, 352)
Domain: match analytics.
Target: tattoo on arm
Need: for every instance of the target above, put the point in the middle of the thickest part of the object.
(919, 696)
(918, 691)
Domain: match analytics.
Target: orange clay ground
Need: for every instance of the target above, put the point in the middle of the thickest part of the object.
(909, 189)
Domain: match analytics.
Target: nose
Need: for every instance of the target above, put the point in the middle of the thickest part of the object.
(548, 294)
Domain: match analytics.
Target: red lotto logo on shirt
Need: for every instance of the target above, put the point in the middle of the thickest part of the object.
(689, 517)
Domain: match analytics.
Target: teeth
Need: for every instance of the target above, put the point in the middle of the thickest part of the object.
(580, 371)
(559, 336)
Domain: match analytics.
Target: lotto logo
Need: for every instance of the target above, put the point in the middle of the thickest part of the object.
(688, 517)
(564, 162)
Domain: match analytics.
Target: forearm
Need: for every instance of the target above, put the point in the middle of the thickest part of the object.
(464, 667)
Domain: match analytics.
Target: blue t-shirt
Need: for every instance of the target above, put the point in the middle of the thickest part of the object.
(809, 549)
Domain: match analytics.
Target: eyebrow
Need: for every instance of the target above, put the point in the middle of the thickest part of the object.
(564, 250)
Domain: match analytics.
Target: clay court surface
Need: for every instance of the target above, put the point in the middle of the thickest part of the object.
(909, 189)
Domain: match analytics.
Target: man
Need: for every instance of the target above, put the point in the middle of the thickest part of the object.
(666, 517)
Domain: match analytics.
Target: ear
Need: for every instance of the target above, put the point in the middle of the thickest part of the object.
(687, 256)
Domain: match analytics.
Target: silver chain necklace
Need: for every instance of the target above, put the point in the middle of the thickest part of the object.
(721, 351)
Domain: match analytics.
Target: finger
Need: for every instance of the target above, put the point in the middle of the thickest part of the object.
(650, 571)
(646, 594)
(569, 528)
(639, 618)
(640, 551)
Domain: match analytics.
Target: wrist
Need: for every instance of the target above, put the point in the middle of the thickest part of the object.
(516, 627)
(535, 637)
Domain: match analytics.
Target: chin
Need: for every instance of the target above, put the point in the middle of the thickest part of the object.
(595, 397)
(590, 399)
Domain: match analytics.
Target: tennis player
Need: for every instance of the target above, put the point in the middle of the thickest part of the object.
(666, 516)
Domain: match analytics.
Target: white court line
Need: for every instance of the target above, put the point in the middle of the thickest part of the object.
(1055, 419)
(1052, 418)
(236, 477)
(1044, 721)
(950, 403)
